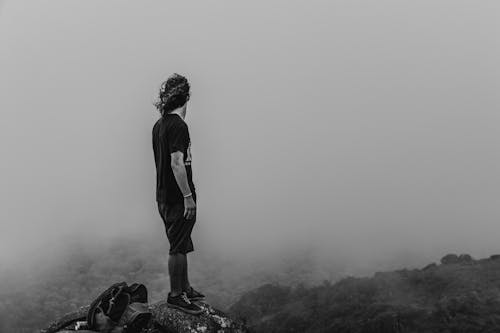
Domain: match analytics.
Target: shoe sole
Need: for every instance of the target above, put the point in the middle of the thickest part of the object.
(174, 306)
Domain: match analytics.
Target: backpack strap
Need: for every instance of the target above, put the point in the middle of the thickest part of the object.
(97, 304)
(117, 305)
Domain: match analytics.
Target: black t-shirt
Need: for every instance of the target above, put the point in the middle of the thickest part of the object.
(170, 134)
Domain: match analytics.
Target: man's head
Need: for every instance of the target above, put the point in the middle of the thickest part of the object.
(174, 93)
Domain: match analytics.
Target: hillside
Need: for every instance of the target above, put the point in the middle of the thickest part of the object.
(458, 295)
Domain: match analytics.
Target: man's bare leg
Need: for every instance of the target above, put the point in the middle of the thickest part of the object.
(185, 280)
(176, 268)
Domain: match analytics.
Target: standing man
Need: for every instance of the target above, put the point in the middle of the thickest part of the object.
(175, 192)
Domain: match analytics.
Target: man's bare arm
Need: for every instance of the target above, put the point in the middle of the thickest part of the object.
(180, 174)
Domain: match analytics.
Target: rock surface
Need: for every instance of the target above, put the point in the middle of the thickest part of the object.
(167, 320)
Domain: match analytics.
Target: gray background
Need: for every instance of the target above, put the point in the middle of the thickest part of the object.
(360, 129)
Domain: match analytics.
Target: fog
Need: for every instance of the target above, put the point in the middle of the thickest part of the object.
(364, 130)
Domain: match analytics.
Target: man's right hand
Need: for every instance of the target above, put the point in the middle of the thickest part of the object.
(189, 208)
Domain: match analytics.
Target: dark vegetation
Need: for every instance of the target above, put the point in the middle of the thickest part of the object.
(460, 295)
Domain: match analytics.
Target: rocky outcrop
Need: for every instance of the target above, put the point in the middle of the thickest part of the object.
(166, 320)
(211, 320)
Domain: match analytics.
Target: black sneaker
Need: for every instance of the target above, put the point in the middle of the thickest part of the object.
(194, 295)
(183, 303)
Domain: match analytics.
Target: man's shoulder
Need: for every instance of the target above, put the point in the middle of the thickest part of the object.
(156, 131)
(156, 126)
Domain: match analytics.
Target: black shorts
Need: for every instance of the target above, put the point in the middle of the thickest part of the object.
(178, 229)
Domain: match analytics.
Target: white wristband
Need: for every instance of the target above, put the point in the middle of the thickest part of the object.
(188, 195)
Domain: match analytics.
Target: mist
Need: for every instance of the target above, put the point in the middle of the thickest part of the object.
(366, 132)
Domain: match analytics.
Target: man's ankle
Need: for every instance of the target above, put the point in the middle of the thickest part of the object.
(175, 293)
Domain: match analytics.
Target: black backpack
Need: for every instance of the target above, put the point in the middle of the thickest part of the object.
(120, 306)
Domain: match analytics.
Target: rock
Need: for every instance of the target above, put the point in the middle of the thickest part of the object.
(167, 320)
(67, 319)
(211, 320)
(449, 259)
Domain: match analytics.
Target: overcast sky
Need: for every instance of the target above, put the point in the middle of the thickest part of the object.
(364, 128)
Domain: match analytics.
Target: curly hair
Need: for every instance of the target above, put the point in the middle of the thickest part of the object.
(173, 94)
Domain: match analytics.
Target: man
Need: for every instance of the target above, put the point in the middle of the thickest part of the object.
(175, 191)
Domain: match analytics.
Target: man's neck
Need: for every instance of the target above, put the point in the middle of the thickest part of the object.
(181, 112)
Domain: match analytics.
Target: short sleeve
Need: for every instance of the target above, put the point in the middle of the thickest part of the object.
(178, 138)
